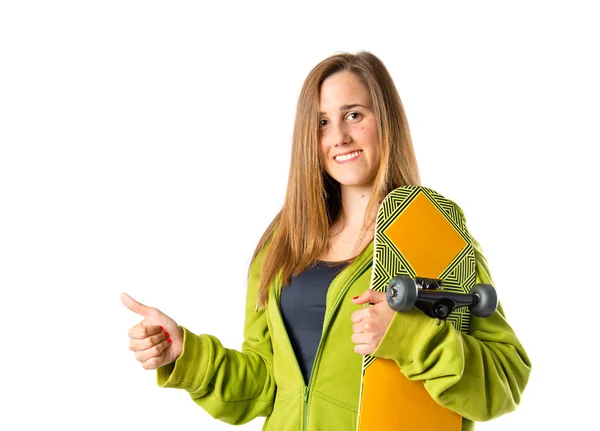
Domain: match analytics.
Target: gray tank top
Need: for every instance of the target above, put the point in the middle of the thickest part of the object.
(303, 310)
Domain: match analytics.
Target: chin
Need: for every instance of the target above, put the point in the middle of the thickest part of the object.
(354, 182)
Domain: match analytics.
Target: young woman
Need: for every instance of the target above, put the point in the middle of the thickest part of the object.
(306, 327)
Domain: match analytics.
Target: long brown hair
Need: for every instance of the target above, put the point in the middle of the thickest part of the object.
(299, 233)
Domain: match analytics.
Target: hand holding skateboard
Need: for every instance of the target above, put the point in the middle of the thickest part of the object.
(371, 323)
(157, 340)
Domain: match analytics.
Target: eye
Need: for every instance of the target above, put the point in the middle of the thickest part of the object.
(322, 123)
(358, 115)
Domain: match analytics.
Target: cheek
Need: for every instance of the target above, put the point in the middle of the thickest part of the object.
(322, 152)
(372, 137)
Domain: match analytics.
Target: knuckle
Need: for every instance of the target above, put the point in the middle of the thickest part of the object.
(152, 363)
(148, 342)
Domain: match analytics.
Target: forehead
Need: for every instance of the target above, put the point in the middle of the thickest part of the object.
(341, 89)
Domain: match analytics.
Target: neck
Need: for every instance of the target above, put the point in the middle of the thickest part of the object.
(354, 206)
(349, 233)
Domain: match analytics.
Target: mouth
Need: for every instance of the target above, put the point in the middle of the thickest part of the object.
(348, 156)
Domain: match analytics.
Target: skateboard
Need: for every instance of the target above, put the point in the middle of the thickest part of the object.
(423, 257)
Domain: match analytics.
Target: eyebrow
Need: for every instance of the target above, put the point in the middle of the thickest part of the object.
(346, 108)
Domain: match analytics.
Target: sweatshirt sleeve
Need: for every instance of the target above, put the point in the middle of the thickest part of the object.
(480, 375)
(233, 386)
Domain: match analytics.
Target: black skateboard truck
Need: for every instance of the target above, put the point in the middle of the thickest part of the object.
(404, 292)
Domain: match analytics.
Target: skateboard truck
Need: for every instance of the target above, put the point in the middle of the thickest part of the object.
(404, 292)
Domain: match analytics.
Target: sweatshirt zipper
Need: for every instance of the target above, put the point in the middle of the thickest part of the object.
(276, 292)
(326, 325)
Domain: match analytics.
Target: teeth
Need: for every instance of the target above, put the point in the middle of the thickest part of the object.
(347, 156)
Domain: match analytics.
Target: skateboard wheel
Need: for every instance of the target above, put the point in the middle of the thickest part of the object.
(401, 293)
(487, 300)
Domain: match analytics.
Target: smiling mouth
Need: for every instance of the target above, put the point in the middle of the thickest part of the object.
(349, 156)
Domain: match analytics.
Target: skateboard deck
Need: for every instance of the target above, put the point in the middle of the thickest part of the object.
(418, 233)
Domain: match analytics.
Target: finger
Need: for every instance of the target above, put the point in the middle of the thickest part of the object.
(143, 330)
(370, 296)
(139, 345)
(154, 362)
(135, 306)
(364, 349)
(356, 316)
(153, 351)
(360, 327)
(361, 338)
(362, 314)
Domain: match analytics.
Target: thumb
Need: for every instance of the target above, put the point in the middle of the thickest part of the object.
(133, 305)
(369, 296)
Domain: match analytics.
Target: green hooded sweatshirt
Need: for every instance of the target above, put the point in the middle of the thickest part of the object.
(480, 375)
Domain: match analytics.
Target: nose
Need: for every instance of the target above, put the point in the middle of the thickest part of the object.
(340, 134)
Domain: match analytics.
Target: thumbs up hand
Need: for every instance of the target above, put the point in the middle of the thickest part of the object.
(157, 340)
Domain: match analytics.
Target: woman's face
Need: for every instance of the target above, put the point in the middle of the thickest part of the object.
(348, 138)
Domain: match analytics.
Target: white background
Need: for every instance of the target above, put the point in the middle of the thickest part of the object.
(145, 147)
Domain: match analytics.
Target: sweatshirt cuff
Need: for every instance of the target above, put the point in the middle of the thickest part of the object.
(406, 332)
(189, 370)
